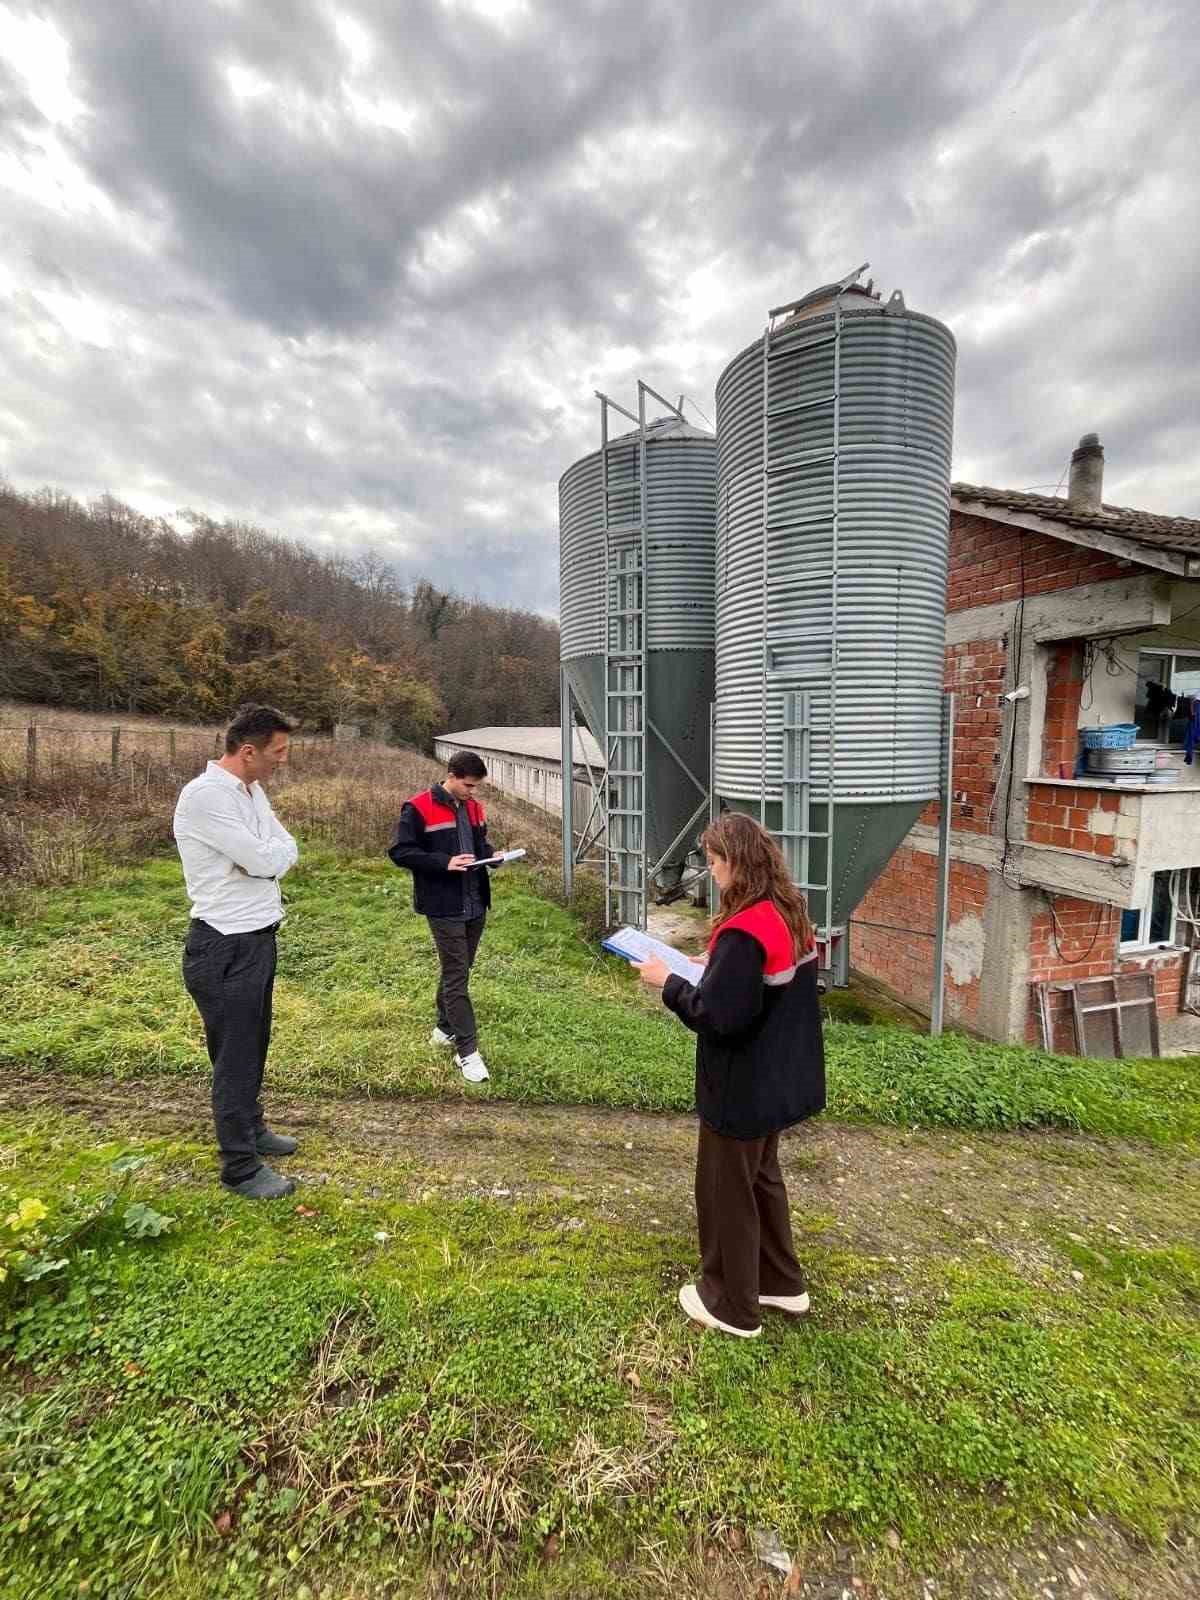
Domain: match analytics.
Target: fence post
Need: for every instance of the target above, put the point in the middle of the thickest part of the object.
(116, 747)
(31, 754)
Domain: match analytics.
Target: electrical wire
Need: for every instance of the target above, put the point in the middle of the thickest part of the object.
(1019, 630)
(888, 927)
(1185, 895)
(1072, 961)
(1113, 667)
(996, 789)
(688, 401)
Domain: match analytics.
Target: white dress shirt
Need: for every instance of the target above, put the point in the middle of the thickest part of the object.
(222, 826)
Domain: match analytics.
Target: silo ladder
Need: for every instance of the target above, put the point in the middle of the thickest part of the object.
(624, 683)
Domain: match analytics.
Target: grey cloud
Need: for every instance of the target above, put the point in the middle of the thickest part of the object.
(388, 337)
(307, 218)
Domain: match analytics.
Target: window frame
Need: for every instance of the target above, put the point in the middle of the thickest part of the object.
(1143, 943)
(1170, 655)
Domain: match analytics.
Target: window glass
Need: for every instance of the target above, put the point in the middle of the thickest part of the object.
(1153, 923)
(1149, 712)
(1160, 909)
(1157, 673)
(1185, 679)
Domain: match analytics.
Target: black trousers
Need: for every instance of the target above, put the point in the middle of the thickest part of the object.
(745, 1229)
(457, 940)
(231, 977)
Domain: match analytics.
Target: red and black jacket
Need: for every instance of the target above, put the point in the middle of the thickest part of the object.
(760, 1059)
(424, 840)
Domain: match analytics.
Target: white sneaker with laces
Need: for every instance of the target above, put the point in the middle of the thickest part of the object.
(796, 1305)
(441, 1039)
(689, 1299)
(472, 1067)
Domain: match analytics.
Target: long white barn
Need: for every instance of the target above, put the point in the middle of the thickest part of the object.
(527, 762)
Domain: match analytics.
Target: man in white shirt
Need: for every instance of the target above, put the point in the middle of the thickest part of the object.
(234, 851)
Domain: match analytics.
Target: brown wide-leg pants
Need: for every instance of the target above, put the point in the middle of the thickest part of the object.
(745, 1230)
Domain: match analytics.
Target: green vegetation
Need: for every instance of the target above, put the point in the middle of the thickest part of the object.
(92, 988)
(104, 609)
(266, 1396)
(382, 1389)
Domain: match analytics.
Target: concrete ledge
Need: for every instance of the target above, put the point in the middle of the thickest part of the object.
(1157, 953)
(1136, 604)
(976, 849)
(1107, 879)
(1122, 786)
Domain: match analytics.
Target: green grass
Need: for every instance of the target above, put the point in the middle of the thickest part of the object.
(263, 1397)
(92, 987)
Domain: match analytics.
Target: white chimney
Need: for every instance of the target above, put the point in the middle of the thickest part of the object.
(1086, 492)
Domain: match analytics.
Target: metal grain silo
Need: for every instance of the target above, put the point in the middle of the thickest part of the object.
(833, 439)
(636, 607)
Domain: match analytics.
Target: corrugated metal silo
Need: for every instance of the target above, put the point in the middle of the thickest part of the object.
(834, 434)
(638, 656)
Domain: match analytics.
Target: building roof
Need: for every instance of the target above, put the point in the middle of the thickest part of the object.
(1169, 542)
(540, 744)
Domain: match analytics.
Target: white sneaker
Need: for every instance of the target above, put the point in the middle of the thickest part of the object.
(472, 1067)
(796, 1305)
(689, 1299)
(441, 1039)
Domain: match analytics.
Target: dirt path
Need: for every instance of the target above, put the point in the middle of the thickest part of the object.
(880, 1190)
(885, 1192)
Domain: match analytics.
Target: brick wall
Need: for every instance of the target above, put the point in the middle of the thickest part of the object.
(987, 558)
(1064, 691)
(892, 931)
(1169, 972)
(892, 942)
(975, 672)
(1082, 940)
(1073, 819)
(1079, 940)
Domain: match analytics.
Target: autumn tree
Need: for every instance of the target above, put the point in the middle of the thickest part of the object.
(107, 609)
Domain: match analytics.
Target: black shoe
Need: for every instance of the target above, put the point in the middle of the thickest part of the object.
(274, 1144)
(264, 1184)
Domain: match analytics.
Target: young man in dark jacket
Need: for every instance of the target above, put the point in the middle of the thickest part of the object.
(440, 835)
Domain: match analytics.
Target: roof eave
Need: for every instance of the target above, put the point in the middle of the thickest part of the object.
(1173, 561)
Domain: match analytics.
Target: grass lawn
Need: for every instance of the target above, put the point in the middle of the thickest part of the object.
(267, 1399)
(412, 1381)
(92, 987)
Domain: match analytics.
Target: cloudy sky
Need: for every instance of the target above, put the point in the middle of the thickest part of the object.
(353, 271)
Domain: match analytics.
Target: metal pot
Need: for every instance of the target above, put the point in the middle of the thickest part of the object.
(1134, 761)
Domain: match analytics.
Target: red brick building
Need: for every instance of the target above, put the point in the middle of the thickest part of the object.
(1091, 611)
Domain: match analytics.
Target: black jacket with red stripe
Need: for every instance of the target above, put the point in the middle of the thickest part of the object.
(760, 1059)
(424, 840)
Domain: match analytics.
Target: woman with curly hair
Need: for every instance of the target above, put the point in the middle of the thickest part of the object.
(760, 1068)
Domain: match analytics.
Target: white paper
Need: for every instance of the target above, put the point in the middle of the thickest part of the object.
(496, 860)
(635, 945)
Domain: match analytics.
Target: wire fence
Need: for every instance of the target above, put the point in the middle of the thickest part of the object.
(42, 746)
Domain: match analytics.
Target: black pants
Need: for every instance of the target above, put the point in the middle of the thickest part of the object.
(745, 1230)
(457, 940)
(231, 977)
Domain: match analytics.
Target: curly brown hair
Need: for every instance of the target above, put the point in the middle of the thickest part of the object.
(758, 872)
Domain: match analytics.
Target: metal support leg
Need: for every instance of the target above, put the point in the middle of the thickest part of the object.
(937, 1009)
(567, 721)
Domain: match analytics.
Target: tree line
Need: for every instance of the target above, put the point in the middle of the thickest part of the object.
(105, 609)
